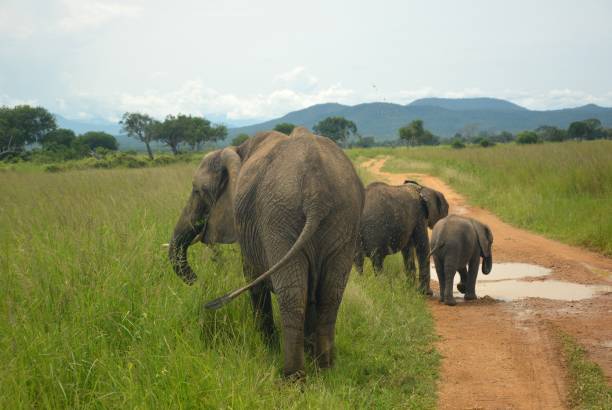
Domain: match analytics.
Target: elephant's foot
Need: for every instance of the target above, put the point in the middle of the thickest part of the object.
(461, 287)
(294, 376)
(470, 296)
(450, 301)
(441, 298)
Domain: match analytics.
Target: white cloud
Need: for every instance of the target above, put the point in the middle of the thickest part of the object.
(195, 98)
(80, 14)
(298, 79)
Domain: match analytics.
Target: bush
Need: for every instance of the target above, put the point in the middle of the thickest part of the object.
(527, 137)
(239, 139)
(457, 144)
(485, 142)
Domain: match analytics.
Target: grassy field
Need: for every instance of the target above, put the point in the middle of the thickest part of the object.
(91, 315)
(562, 190)
(588, 387)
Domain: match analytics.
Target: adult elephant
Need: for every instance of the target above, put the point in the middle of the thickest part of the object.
(395, 219)
(457, 244)
(437, 210)
(294, 205)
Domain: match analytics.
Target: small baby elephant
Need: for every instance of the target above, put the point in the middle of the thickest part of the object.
(457, 244)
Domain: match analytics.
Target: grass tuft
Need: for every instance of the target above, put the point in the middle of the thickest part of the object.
(588, 389)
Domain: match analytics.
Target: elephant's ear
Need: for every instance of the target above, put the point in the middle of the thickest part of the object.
(442, 204)
(485, 238)
(425, 204)
(221, 225)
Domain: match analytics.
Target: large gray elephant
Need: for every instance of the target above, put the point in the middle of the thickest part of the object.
(457, 244)
(294, 205)
(394, 219)
(437, 210)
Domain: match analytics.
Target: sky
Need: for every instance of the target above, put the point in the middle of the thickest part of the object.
(250, 60)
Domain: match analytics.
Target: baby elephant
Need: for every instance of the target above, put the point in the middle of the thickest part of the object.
(457, 244)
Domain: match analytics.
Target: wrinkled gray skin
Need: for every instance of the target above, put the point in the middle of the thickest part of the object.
(437, 212)
(294, 205)
(457, 244)
(394, 219)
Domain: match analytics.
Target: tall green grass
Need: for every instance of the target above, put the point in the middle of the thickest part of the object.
(91, 315)
(562, 190)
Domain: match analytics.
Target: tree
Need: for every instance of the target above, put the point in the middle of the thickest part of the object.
(338, 129)
(138, 126)
(416, 134)
(527, 137)
(96, 139)
(284, 127)
(550, 133)
(60, 136)
(23, 125)
(239, 139)
(587, 129)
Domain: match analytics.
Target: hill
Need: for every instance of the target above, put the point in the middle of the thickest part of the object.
(443, 116)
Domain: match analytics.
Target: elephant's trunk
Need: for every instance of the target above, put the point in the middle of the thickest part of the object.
(487, 264)
(189, 226)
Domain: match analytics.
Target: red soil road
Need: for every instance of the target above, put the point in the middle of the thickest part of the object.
(505, 355)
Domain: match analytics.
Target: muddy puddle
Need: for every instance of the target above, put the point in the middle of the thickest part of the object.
(507, 282)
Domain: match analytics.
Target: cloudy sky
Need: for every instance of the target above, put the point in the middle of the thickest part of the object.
(246, 60)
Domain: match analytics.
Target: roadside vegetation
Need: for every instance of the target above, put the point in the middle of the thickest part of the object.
(562, 190)
(588, 387)
(91, 314)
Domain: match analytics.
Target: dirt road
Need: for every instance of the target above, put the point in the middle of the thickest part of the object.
(504, 355)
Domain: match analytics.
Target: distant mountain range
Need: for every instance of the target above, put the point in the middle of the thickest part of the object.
(442, 116)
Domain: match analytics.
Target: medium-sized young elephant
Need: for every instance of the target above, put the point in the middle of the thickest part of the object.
(457, 244)
(437, 211)
(394, 219)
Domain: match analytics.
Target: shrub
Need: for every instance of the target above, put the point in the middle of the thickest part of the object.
(457, 144)
(485, 142)
(527, 137)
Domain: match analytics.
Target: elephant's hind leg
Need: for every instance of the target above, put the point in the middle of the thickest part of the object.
(291, 287)
(472, 274)
(461, 286)
(420, 239)
(439, 264)
(334, 277)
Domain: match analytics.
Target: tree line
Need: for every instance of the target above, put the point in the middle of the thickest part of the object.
(22, 126)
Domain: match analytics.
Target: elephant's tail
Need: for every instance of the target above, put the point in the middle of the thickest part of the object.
(435, 249)
(309, 229)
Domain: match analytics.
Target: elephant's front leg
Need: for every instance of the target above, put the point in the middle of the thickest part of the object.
(330, 290)
(378, 259)
(291, 286)
(261, 300)
(420, 239)
(408, 254)
(359, 260)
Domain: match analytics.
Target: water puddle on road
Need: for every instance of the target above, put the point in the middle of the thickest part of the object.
(504, 283)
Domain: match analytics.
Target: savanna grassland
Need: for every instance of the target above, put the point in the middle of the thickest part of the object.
(561, 190)
(91, 315)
